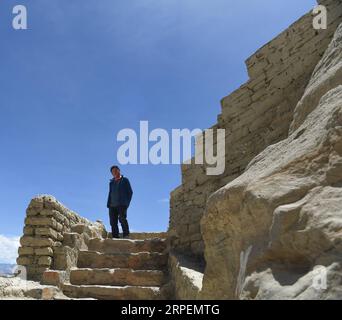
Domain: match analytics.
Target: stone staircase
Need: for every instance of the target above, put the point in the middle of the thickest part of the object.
(114, 269)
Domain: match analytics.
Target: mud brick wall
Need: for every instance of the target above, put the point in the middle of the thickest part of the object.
(254, 116)
(46, 223)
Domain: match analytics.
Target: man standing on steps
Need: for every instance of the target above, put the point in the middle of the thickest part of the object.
(119, 198)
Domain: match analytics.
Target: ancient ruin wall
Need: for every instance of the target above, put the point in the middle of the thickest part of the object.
(255, 116)
(48, 226)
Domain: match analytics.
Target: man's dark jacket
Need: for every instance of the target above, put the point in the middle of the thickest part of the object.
(120, 193)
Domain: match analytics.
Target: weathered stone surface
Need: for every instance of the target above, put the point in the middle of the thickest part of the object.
(48, 232)
(92, 231)
(24, 261)
(79, 228)
(65, 258)
(186, 277)
(55, 214)
(55, 277)
(117, 277)
(37, 203)
(45, 261)
(141, 260)
(25, 251)
(281, 284)
(75, 240)
(113, 293)
(34, 271)
(36, 242)
(48, 251)
(28, 231)
(43, 221)
(267, 231)
(31, 212)
(127, 245)
(327, 75)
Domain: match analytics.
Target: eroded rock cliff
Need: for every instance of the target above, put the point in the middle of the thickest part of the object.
(275, 232)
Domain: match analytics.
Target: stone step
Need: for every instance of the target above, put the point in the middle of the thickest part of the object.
(127, 245)
(117, 277)
(143, 235)
(136, 261)
(112, 293)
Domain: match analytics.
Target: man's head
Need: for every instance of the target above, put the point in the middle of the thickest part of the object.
(115, 170)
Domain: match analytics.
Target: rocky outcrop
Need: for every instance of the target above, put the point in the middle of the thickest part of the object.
(275, 232)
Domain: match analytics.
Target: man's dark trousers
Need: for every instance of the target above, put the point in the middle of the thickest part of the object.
(115, 214)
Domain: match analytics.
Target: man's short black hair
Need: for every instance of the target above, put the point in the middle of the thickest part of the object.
(114, 167)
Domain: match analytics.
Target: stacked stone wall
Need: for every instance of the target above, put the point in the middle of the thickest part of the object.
(48, 225)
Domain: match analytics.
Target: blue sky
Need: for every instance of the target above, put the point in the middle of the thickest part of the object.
(86, 69)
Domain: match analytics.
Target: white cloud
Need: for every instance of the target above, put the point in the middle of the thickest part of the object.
(8, 249)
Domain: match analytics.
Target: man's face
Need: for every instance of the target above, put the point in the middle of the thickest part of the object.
(115, 172)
